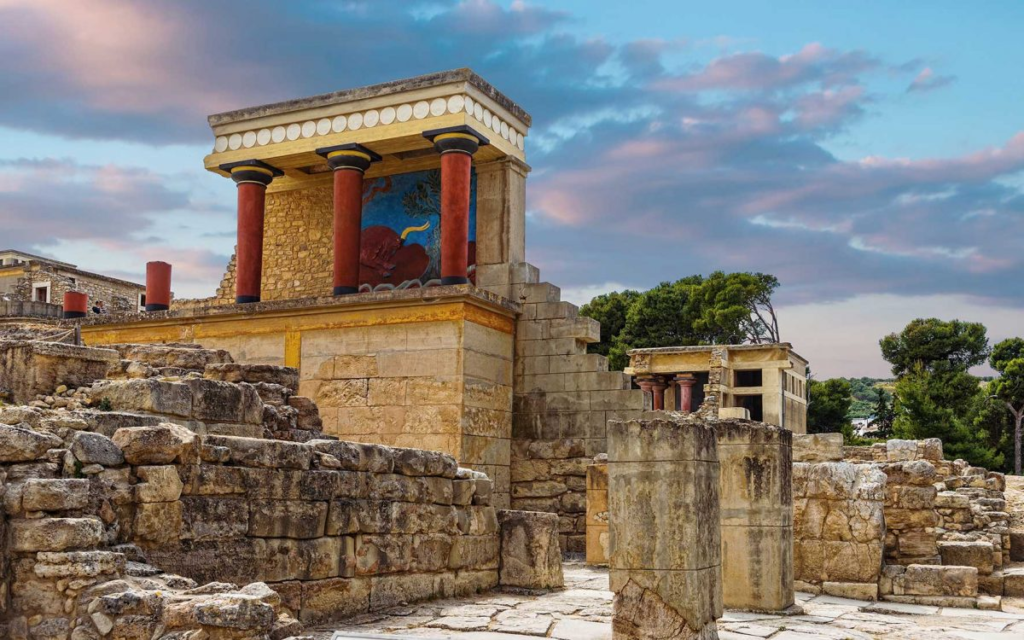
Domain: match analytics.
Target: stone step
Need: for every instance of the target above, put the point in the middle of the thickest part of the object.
(189, 357)
(1013, 580)
(254, 373)
(968, 554)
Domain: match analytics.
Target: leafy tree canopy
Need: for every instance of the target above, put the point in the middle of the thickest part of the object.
(936, 346)
(1006, 352)
(829, 404)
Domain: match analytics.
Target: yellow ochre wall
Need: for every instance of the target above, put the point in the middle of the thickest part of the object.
(429, 375)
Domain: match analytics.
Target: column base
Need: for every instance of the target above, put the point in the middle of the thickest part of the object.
(447, 280)
(156, 307)
(345, 291)
(246, 299)
(72, 315)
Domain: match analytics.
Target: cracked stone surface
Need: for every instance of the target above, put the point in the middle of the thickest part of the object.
(583, 611)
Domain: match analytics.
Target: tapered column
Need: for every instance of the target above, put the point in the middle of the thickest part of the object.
(158, 286)
(684, 385)
(456, 146)
(76, 304)
(348, 161)
(654, 388)
(252, 178)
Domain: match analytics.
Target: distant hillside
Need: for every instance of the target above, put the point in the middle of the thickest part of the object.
(865, 395)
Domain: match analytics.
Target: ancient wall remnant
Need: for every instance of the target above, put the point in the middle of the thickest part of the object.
(755, 492)
(839, 528)
(597, 511)
(663, 490)
(28, 368)
(530, 555)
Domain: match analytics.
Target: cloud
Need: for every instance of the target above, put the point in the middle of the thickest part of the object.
(927, 80)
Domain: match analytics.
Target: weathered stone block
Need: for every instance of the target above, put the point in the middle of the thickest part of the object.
(287, 519)
(161, 444)
(159, 484)
(934, 580)
(214, 518)
(158, 522)
(968, 554)
(216, 401)
(96, 448)
(530, 555)
(55, 534)
(273, 454)
(818, 447)
(145, 394)
(20, 444)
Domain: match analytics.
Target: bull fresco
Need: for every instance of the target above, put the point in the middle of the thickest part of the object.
(401, 238)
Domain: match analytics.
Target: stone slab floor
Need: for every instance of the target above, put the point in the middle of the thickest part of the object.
(583, 612)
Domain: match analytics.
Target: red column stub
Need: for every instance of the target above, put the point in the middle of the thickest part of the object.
(456, 146)
(158, 286)
(76, 304)
(348, 161)
(252, 177)
(684, 383)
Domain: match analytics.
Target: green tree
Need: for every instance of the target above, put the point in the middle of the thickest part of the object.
(936, 345)
(828, 405)
(884, 414)
(1008, 359)
(610, 310)
(736, 307)
(661, 317)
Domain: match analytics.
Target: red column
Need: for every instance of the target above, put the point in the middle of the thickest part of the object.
(76, 304)
(647, 386)
(456, 146)
(685, 384)
(658, 387)
(158, 286)
(348, 161)
(252, 177)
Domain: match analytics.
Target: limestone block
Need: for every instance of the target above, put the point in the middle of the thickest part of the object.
(530, 555)
(254, 373)
(968, 554)
(287, 519)
(357, 456)
(216, 401)
(214, 518)
(416, 462)
(1013, 583)
(933, 580)
(31, 368)
(852, 590)
(474, 552)
(55, 495)
(161, 444)
(391, 590)
(208, 479)
(147, 394)
(818, 447)
(159, 484)
(20, 444)
(333, 599)
(55, 534)
(158, 522)
(96, 448)
(273, 454)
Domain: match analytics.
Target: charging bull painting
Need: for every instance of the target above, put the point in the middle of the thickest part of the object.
(401, 239)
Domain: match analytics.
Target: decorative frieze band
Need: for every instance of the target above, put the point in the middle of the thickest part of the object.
(370, 118)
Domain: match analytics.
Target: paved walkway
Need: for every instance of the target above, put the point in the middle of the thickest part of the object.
(583, 612)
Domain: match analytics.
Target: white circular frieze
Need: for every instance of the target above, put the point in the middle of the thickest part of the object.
(249, 139)
(278, 134)
(371, 118)
(323, 126)
(496, 124)
(294, 130)
(220, 144)
(339, 123)
(235, 141)
(404, 112)
(308, 129)
(420, 110)
(263, 137)
(469, 105)
(387, 115)
(487, 118)
(456, 104)
(355, 121)
(478, 112)
(438, 106)
(519, 141)
(504, 130)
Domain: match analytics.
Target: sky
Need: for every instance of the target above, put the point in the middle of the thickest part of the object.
(869, 154)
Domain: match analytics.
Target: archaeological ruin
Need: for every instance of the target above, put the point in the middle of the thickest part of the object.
(384, 419)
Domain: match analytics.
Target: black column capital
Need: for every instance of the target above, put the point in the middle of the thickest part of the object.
(348, 156)
(460, 139)
(251, 171)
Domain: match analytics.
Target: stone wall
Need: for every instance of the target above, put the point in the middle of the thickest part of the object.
(118, 296)
(839, 528)
(102, 503)
(564, 398)
(28, 369)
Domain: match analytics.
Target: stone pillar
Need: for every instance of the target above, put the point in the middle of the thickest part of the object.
(755, 463)
(654, 390)
(349, 162)
(684, 385)
(597, 511)
(76, 304)
(664, 530)
(456, 146)
(252, 178)
(158, 286)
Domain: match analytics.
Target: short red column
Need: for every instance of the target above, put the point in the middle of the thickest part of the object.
(158, 286)
(252, 177)
(76, 304)
(684, 385)
(348, 161)
(456, 146)
(658, 387)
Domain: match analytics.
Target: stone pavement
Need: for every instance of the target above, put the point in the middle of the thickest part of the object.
(582, 611)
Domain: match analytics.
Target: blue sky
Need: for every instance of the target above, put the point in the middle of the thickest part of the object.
(869, 154)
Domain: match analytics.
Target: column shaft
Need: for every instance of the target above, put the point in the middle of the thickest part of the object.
(249, 257)
(348, 224)
(455, 183)
(158, 286)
